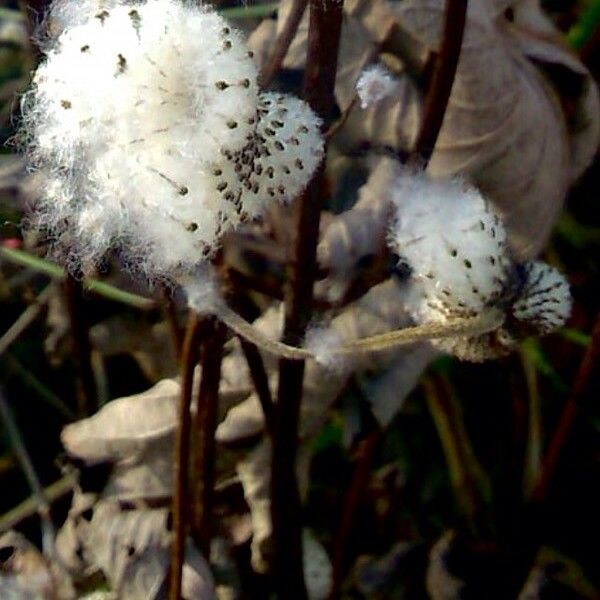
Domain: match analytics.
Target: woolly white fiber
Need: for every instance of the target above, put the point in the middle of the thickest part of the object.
(454, 246)
(322, 342)
(146, 119)
(374, 84)
(545, 301)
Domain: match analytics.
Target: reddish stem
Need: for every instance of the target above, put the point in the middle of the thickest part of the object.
(205, 425)
(260, 380)
(182, 453)
(81, 347)
(585, 373)
(354, 496)
(321, 65)
(282, 45)
(444, 72)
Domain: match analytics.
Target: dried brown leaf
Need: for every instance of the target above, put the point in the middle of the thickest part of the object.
(24, 573)
(149, 345)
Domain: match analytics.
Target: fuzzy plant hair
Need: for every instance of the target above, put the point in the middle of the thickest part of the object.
(150, 134)
(454, 245)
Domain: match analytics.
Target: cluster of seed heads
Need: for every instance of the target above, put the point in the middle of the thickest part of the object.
(147, 125)
(453, 246)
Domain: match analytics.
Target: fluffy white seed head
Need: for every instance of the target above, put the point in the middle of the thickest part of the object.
(454, 245)
(146, 120)
(374, 84)
(277, 160)
(544, 303)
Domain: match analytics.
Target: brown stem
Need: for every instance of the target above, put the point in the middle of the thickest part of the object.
(82, 349)
(260, 380)
(205, 425)
(586, 372)
(354, 496)
(182, 453)
(321, 65)
(282, 45)
(444, 71)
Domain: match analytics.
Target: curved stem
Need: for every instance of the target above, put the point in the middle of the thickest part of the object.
(470, 327)
(248, 332)
(444, 72)
(282, 45)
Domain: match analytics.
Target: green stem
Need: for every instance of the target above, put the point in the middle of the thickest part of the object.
(42, 504)
(45, 393)
(259, 11)
(29, 507)
(54, 271)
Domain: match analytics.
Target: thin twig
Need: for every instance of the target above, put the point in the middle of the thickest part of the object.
(260, 380)
(182, 454)
(42, 390)
(283, 42)
(82, 348)
(470, 326)
(579, 392)
(54, 271)
(444, 72)
(353, 498)
(43, 506)
(205, 425)
(29, 315)
(321, 64)
(30, 507)
(533, 449)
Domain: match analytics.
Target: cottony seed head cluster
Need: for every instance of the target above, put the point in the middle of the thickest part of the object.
(147, 124)
(453, 244)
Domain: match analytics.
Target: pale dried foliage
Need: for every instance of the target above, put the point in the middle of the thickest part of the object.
(505, 127)
(505, 130)
(25, 574)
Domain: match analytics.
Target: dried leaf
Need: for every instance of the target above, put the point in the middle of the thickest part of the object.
(124, 427)
(504, 126)
(358, 232)
(387, 392)
(24, 573)
(132, 549)
(150, 346)
(440, 582)
(356, 47)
